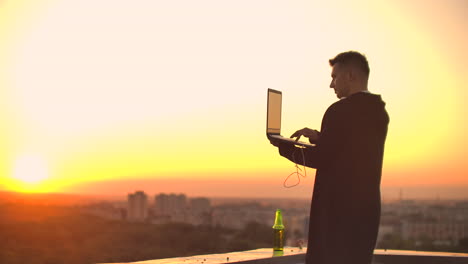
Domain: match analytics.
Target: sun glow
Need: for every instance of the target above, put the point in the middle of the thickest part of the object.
(30, 171)
(105, 90)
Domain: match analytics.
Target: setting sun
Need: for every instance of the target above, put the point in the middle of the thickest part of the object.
(30, 169)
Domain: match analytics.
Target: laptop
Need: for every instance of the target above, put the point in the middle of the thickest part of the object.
(273, 129)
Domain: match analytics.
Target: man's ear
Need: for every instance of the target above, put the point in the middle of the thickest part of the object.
(351, 75)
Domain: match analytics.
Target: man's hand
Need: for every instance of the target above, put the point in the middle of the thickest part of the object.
(312, 134)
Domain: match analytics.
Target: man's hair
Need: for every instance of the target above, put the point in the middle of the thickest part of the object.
(354, 58)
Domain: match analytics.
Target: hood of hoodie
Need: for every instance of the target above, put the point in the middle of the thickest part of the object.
(368, 106)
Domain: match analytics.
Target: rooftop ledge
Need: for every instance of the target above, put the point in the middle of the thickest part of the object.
(293, 255)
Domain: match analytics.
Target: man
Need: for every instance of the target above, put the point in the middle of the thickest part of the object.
(348, 154)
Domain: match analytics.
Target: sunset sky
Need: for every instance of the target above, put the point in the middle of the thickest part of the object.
(109, 96)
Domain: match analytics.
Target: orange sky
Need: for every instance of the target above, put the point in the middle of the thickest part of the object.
(96, 91)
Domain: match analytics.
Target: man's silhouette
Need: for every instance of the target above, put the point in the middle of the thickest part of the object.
(345, 210)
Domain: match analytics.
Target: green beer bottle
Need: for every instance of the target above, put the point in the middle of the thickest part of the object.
(278, 229)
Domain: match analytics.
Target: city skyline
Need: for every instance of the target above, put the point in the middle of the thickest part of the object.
(175, 95)
(418, 226)
(258, 189)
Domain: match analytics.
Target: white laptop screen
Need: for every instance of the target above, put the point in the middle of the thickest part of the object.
(274, 112)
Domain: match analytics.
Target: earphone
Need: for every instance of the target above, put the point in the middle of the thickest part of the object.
(298, 171)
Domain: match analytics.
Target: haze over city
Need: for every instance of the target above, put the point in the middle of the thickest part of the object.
(107, 97)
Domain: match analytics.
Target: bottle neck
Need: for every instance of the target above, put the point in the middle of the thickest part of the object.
(278, 220)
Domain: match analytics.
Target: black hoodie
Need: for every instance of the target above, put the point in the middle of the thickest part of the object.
(345, 210)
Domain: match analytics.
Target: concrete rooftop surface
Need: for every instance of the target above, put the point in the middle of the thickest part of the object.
(290, 253)
(294, 255)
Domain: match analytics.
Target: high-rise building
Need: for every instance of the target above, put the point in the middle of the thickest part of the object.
(170, 204)
(137, 206)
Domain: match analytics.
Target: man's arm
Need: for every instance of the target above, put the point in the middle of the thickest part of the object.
(329, 142)
(303, 156)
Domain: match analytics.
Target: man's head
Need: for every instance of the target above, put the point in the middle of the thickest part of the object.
(350, 73)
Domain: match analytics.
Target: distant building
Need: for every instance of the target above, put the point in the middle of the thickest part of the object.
(170, 204)
(200, 205)
(238, 216)
(441, 232)
(199, 212)
(440, 223)
(137, 206)
(104, 210)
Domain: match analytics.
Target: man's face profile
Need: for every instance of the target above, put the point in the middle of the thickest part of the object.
(339, 80)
